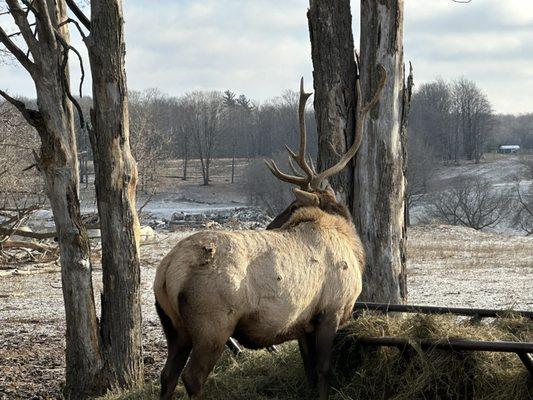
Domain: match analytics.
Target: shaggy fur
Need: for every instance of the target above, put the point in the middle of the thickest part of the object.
(263, 287)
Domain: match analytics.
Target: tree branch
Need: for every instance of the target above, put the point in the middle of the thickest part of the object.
(79, 14)
(20, 17)
(70, 20)
(16, 52)
(66, 47)
(33, 117)
(45, 26)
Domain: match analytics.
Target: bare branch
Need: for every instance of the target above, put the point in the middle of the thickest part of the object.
(16, 52)
(44, 27)
(21, 19)
(66, 47)
(79, 14)
(33, 117)
(73, 21)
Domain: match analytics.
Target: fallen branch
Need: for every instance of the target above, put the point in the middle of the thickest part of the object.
(31, 235)
(11, 244)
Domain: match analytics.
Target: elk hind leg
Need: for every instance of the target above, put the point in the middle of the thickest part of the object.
(326, 329)
(202, 361)
(179, 348)
(307, 346)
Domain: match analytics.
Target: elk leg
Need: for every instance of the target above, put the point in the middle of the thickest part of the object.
(179, 348)
(326, 329)
(203, 358)
(307, 345)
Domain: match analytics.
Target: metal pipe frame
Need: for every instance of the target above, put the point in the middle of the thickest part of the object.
(409, 308)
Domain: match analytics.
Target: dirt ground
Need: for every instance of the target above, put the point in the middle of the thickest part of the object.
(447, 266)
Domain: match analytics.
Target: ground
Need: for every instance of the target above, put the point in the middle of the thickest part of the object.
(447, 266)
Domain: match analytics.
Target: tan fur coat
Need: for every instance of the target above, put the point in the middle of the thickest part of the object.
(268, 285)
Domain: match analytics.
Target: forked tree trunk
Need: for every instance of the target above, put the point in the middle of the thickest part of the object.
(330, 29)
(116, 178)
(378, 205)
(58, 163)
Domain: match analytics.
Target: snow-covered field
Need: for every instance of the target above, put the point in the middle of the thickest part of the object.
(447, 265)
(502, 172)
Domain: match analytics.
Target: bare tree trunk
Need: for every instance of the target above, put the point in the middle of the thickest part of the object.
(185, 161)
(58, 163)
(233, 165)
(330, 29)
(116, 179)
(380, 183)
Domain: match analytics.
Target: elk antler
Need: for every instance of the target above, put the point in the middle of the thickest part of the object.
(313, 180)
(297, 179)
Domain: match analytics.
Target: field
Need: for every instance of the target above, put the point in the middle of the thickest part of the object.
(447, 265)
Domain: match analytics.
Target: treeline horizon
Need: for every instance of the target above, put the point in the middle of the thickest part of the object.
(449, 121)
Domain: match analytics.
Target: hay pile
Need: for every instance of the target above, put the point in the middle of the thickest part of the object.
(381, 373)
(386, 373)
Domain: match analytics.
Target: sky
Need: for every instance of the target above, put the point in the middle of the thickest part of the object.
(261, 47)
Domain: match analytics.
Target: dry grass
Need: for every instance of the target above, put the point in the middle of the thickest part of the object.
(382, 373)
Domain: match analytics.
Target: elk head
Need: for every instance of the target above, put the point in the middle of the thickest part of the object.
(314, 190)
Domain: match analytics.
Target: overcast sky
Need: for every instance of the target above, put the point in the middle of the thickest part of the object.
(261, 47)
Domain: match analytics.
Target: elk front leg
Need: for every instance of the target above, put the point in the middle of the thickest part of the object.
(326, 330)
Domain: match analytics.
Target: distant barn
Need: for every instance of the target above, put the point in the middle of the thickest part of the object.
(509, 149)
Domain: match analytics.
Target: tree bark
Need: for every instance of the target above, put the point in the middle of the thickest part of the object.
(58, 163)
(379, 197)
(116, 179)
(332, 48)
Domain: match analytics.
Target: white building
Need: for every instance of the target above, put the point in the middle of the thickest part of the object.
(509, 149)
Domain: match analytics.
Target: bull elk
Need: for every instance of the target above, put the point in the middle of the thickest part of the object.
(298, 279)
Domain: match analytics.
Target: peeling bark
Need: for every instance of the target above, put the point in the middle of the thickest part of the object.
(379, 191)
(116, 179)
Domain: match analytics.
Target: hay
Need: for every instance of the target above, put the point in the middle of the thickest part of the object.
(387, 373)
(380, 373)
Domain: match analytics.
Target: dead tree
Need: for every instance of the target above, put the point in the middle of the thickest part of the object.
(116, 179)
(375, 191)
(334, 75)
(46, 61)
(379, 200)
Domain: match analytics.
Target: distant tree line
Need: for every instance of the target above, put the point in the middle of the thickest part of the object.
(209, 124)
(453, 121)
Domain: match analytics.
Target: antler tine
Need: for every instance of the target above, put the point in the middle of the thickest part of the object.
(293, 168)
(361, 113)
(300, 157)
(297, 179)
(311, 164)
(301, 181)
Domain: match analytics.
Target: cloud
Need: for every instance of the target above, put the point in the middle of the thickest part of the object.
(261, 47)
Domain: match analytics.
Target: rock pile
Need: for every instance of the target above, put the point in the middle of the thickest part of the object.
(237, 219)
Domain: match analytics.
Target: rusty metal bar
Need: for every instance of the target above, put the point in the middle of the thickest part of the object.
(520, 348)
(409, 308)
(449, 344)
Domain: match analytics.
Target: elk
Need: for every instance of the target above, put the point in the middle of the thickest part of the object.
(297, 280)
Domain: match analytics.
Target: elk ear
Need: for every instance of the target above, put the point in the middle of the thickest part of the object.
(306, 198)
(330, 191)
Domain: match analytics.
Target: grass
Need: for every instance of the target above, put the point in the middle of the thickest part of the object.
(380, 373)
